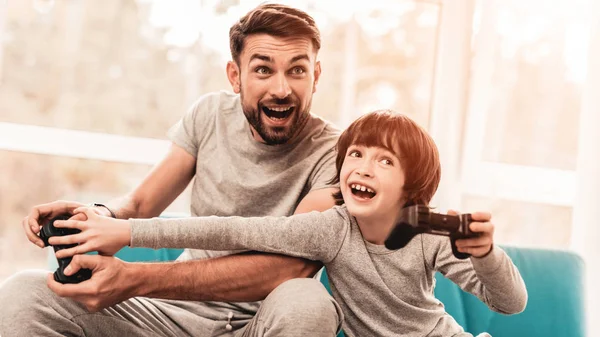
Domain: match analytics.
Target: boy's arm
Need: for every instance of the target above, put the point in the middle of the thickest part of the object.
(314, 236)
(494, 279)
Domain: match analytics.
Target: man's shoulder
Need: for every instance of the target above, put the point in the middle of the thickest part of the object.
(323, 129)
(216, 102)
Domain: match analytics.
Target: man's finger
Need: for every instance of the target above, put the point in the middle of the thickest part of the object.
(78, 216)
(50, 210)
(83, 261)
(31, 235)
(66, 290)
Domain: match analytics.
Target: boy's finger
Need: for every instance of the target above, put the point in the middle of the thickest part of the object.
(69, 224)
(473, 242)
(66, 240)
(481, 216)
(453, 212)
(79, 249)
(481, 227)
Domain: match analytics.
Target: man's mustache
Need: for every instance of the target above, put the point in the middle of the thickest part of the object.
(282, 101)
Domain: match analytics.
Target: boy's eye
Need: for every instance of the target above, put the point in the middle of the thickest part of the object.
(386, 161)
(354, 154)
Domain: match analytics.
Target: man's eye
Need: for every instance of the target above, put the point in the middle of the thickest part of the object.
(262, 70)
(298, 71)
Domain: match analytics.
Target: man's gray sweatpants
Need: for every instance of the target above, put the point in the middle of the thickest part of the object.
(298, 307)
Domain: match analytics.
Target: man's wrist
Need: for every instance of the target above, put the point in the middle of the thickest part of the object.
(112, 214)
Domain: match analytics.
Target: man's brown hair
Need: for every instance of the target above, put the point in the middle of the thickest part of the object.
(276, 20)
(403, 137)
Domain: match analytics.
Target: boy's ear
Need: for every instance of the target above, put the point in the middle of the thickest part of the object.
(233, 75)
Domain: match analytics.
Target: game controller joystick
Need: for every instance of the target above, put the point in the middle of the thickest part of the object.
(48, 231)
(419, 219)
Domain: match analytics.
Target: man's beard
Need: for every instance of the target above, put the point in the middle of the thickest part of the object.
(276, 135)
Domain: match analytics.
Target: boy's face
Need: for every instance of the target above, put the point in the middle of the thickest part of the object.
(371, 182)
(276, 78)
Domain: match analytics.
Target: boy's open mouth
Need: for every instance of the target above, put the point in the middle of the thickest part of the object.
(362, 191)
(278, 113)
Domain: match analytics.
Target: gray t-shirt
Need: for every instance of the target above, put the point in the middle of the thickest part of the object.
(382, 292)
(236, 175)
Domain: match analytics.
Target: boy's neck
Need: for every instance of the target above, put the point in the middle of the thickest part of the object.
(375, 231)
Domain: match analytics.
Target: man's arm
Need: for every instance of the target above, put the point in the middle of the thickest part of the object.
(238, 278)
(157, 191)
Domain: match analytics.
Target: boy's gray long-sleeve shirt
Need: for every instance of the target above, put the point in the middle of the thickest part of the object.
(382, 292)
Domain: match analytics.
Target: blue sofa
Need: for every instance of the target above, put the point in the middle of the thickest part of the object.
(554, 282)
(555, 305)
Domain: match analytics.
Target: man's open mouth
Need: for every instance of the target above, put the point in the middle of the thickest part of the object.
(278, 113)
(362, 191)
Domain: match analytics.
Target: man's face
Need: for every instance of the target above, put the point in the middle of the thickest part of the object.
(275, 78)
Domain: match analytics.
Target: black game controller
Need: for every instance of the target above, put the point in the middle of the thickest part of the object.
(48, 231)
(419, 219)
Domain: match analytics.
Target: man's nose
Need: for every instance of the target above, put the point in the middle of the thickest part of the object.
(281, 87)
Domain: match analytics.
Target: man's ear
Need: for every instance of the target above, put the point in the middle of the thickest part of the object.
(317, 75)
(233, 75)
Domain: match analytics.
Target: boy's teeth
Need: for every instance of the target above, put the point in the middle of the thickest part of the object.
(361, 188)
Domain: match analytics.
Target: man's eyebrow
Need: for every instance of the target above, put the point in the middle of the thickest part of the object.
(269, 59)
(261, 57)
(299, 57)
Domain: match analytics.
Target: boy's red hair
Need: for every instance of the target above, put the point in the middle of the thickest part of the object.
(403, 137)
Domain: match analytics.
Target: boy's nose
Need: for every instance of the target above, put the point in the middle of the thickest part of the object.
(365, 170)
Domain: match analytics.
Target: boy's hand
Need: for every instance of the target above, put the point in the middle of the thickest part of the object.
(98, 233)
(481, 245)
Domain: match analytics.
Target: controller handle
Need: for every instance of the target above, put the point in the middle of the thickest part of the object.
(48, 231)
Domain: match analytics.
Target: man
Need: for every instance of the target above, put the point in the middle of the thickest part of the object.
(257, 153)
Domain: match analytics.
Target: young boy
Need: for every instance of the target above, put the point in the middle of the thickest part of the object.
(385, 162)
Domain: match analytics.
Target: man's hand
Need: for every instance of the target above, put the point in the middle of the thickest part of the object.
(479, 246)
(98, 233)
(41, 213)
(110, 283)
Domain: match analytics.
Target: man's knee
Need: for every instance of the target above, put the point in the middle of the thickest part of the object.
(304, 298)
(19, 296)
(22, 289)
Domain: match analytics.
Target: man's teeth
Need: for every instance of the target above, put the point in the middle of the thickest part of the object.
(279, 109)
(361, 188)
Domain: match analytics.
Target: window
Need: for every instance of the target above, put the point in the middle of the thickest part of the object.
(527, 76)
(89, 89)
